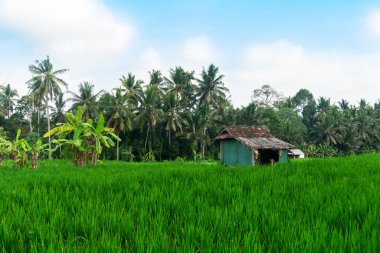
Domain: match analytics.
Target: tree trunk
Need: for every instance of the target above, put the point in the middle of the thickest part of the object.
(203, 144)
(35, 159)
(48, 120)
(30, 123)
(169, 138)
(94, 157)
(147, 133)
(170, 153)
(38, 121)
(117, 150)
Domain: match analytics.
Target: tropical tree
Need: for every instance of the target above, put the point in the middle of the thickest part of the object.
(328, 130)
(24, 107)
(178, 81)
(87, 99)
(293, 128)
(45, 85)
(323, 107)
(131, 87)
(156, 78)
(119, 113)
(17, 149)
(149, 111)
(8, 99)
(173, 120)
(197, 126)
(58, 112)
(344, 105)
(35, 151)
(301, 99)
(86, 140)
(251, 115)
(266, 96)
(211, 87)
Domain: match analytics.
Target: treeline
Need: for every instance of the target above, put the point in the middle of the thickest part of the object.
(177, 116)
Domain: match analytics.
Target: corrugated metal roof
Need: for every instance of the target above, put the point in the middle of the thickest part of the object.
(254, 137)
(296, 152)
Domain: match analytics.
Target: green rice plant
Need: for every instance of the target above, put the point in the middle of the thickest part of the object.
(309, 205)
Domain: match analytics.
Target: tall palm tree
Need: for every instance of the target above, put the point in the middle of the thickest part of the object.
(45, 84)
(344, 105)
(131, 87)
(155, 77)
(329, 130)
(211, 86)
(7, 99)
(149, 111)
(197, 124)
(86, 99)
(323, 107)
(119, 113)
(173, 120)
(178, 81)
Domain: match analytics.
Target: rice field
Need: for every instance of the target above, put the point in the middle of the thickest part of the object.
(304, 206)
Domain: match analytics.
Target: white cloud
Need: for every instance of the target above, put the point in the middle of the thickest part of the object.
(372, 23)
(86, 37)
(199, 50)
(288, 67)
(75, 31)
(150, 59)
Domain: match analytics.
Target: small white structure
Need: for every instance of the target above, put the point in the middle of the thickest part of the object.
(295, 153)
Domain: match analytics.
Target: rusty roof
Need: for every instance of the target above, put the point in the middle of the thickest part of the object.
(265, 143)
(244, 131)
(254, 137)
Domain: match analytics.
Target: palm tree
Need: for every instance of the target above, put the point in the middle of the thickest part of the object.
(251, 115)
(131, 87)
(7, 99)
(197, 125)
(45, 85)
(178, 81)
(149, 111)
(155, 78)
(58, 112)
(329, 130)
(344, 105)
(323, 106)
(86, 99)
(25, 107)
(211, 86)
(119, 112)
(173, 119)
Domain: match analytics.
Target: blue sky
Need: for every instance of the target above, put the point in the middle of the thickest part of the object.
(330, 48)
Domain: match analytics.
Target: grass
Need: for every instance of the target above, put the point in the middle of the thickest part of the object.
(311, 205)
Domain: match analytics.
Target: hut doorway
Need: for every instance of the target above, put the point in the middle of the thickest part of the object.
(268, 156)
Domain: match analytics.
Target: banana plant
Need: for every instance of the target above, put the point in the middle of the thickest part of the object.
(87, 140)
(17, 149)
(101, 139)
(4, 144)
(35, 151)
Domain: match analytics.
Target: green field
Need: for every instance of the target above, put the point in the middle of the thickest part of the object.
(310, 205)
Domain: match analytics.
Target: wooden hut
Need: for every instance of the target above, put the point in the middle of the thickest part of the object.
(250, 145)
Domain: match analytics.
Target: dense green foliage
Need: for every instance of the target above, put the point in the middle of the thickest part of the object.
(178, 115)
(311, 205)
